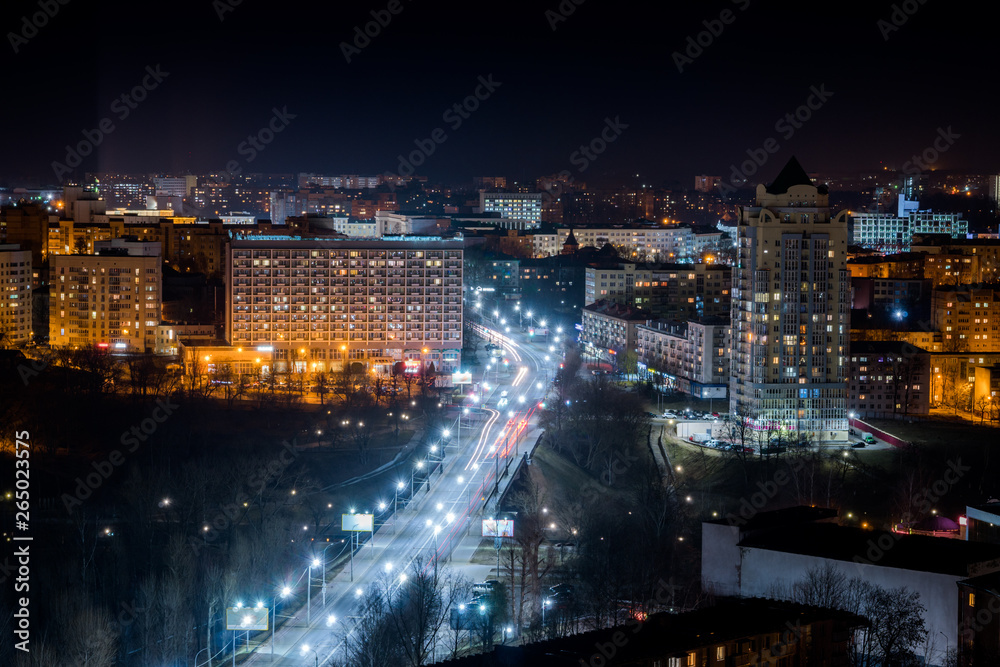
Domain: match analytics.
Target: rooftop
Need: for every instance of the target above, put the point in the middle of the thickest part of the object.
(908, 552)
(665, 635)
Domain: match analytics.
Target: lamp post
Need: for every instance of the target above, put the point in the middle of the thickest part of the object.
(419, 466)
(545, 603)
(306, 649)
(395, 504)
(285, 590)
(313, 563)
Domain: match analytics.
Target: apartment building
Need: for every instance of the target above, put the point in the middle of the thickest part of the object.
(672, 291)
(968, 317)
(316, 303)
(15, 294)
(889, 380)
(790, 319)
(609, 329)
(891, 233)
(689, 356)
(110, 300)
(524, 206)
(642, 244)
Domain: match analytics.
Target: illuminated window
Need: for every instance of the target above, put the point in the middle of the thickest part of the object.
(972, 599)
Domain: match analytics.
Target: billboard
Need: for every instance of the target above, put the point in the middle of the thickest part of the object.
(357, 523)
(247, 618)
(498, 528)
(461, 378)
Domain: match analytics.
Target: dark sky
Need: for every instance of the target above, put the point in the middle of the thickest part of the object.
(557, 87)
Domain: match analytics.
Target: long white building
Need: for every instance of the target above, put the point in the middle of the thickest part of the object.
(317, 302)
(650, 244)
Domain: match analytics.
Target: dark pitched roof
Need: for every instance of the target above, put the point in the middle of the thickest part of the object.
(571, 239)
(791, 174)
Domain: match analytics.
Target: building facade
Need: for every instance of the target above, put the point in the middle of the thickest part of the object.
(790, 310)
(15, 295)
(674, 291)
(690, 356)
(889, 380)
(609, 329)
(642, 244)
(891, 233)
(967, 317)
(526, 207)
(112, 301)
(317, 303)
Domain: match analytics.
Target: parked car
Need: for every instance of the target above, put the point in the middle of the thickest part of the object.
(713, 443)
(869, 439)
(859, 445)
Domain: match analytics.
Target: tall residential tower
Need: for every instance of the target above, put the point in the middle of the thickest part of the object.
(790, 317)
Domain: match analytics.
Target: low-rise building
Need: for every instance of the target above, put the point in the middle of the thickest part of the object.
(768, 553)
(690, 356)
(968, 317)
(888, 380)
(669, 291)
(609, 329)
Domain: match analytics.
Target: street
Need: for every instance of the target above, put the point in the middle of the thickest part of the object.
(443, 520)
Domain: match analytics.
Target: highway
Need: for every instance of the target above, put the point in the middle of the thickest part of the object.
(443, 519)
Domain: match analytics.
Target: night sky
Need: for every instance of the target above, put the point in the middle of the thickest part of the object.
(557, 87)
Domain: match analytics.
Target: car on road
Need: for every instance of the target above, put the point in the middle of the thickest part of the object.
(713, 443)
(503, 393)
(669, 415)
(859, 445)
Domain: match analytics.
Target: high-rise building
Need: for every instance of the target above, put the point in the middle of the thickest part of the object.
(111, 300)
(526, 207)
(790, 316)
(15, 295)
(316, 303)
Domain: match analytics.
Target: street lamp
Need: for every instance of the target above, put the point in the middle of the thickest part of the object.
(283, 593)
(395, 504)
(313, 563)
(545, 604)
(306, 649)
(419, 466)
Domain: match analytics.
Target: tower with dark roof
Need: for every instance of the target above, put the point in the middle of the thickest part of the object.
(570, 245)
(790, 313)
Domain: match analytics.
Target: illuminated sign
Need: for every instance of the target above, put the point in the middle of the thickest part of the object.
(357, 523)
(461, 378)
(247, 618)
(498, 528)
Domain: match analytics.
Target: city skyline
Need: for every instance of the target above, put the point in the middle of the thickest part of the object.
(674, 83)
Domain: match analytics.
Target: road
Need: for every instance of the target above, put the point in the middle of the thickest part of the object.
(442, 521)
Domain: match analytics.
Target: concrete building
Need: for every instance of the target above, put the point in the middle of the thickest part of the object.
(526, 207)
(640, 243)
(15, 295)
(111, 300)
(889, 380)
(609, 330)
(169, 336)
(891, 233)
(669, 291)
(968, 317)
(790, 310)
(690, 356)
(318, 302)
(766, 554)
